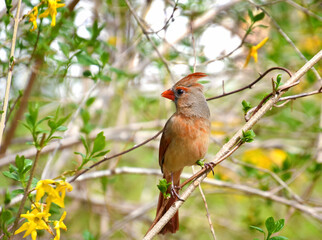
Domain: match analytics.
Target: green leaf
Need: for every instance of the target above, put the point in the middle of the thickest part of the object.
(61, 129)
(20, 161)
(90, 101)
(259, 17)
(85, 144)
(104, 78)
(105, 57)
(99, 143)
(278, 81)
(86, 60)
(257, 228)
(5, 215)
(250, 14)
(10, 175)
(81, 154)
(201, 163)
(270, 225)
(248, 136)
(278, 238)
(87, 73)
(279, 225)
(8, 6)
(163, 187)
(88, 236)
(17, 192)
(100, 154)
(246, 106)
(64, 48)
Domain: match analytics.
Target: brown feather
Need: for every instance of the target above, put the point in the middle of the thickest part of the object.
(191, 80)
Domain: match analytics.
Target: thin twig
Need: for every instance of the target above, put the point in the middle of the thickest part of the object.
(230, 53)
(207, 210)
(9, 78)
(141, 25)
(273, 175)
(115, 155)
(253, 83)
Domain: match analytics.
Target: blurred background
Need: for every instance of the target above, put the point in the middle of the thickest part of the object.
(106, 63)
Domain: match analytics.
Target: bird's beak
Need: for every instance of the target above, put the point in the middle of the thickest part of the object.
(168, 94)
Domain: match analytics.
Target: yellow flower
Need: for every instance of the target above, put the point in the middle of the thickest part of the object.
(52, 10)
(61, 192)
(59, 225)
(42, 187)
(33, 18)
(264, 158)
(35, 222)
(253, 51)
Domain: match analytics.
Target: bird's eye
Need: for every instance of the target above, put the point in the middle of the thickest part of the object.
(180, 91)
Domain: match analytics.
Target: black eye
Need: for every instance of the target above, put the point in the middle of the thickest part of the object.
(180, 91)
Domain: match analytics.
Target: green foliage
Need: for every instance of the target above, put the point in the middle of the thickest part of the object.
(278, 82)
(42, 137)
(19, 172)
(246, 106)
(9, 6)
(248, 136)
(272, 226)
(254, 19)
(201, 163)
(163, 187)
(93, 152)
(87, 235)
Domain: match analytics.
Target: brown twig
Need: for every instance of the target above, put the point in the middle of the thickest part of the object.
(167, 23)
(251, 84)
(115, 155)
(141, 25)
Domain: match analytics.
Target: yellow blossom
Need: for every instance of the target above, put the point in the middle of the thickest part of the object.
(253, 51)
(59, 225)
(35, 222)
(264, 158)
(33, 18)
(42, 187)
(52, 10)
(57, 196)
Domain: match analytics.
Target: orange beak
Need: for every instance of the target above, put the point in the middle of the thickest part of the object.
(168, 94)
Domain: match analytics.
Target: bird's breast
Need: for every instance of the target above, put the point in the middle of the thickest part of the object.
(189, 142)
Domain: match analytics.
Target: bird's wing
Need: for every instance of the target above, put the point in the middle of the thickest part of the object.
(164, 143)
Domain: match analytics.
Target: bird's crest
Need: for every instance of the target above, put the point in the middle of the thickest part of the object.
(191, 80)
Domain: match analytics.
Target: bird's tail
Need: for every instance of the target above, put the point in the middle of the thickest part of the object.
(173, 225)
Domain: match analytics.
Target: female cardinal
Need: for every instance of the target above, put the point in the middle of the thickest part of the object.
(184, 140)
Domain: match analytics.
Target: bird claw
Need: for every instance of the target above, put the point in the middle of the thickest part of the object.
(174, 192)
(210, 165)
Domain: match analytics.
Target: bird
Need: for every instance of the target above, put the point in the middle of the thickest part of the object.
(184, 140)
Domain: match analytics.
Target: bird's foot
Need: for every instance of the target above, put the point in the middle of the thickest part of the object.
(211, 166)
(174, 192)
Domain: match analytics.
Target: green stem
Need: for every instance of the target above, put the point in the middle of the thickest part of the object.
(31, 176)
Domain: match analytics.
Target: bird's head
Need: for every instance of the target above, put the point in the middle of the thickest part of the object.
(187, 93)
